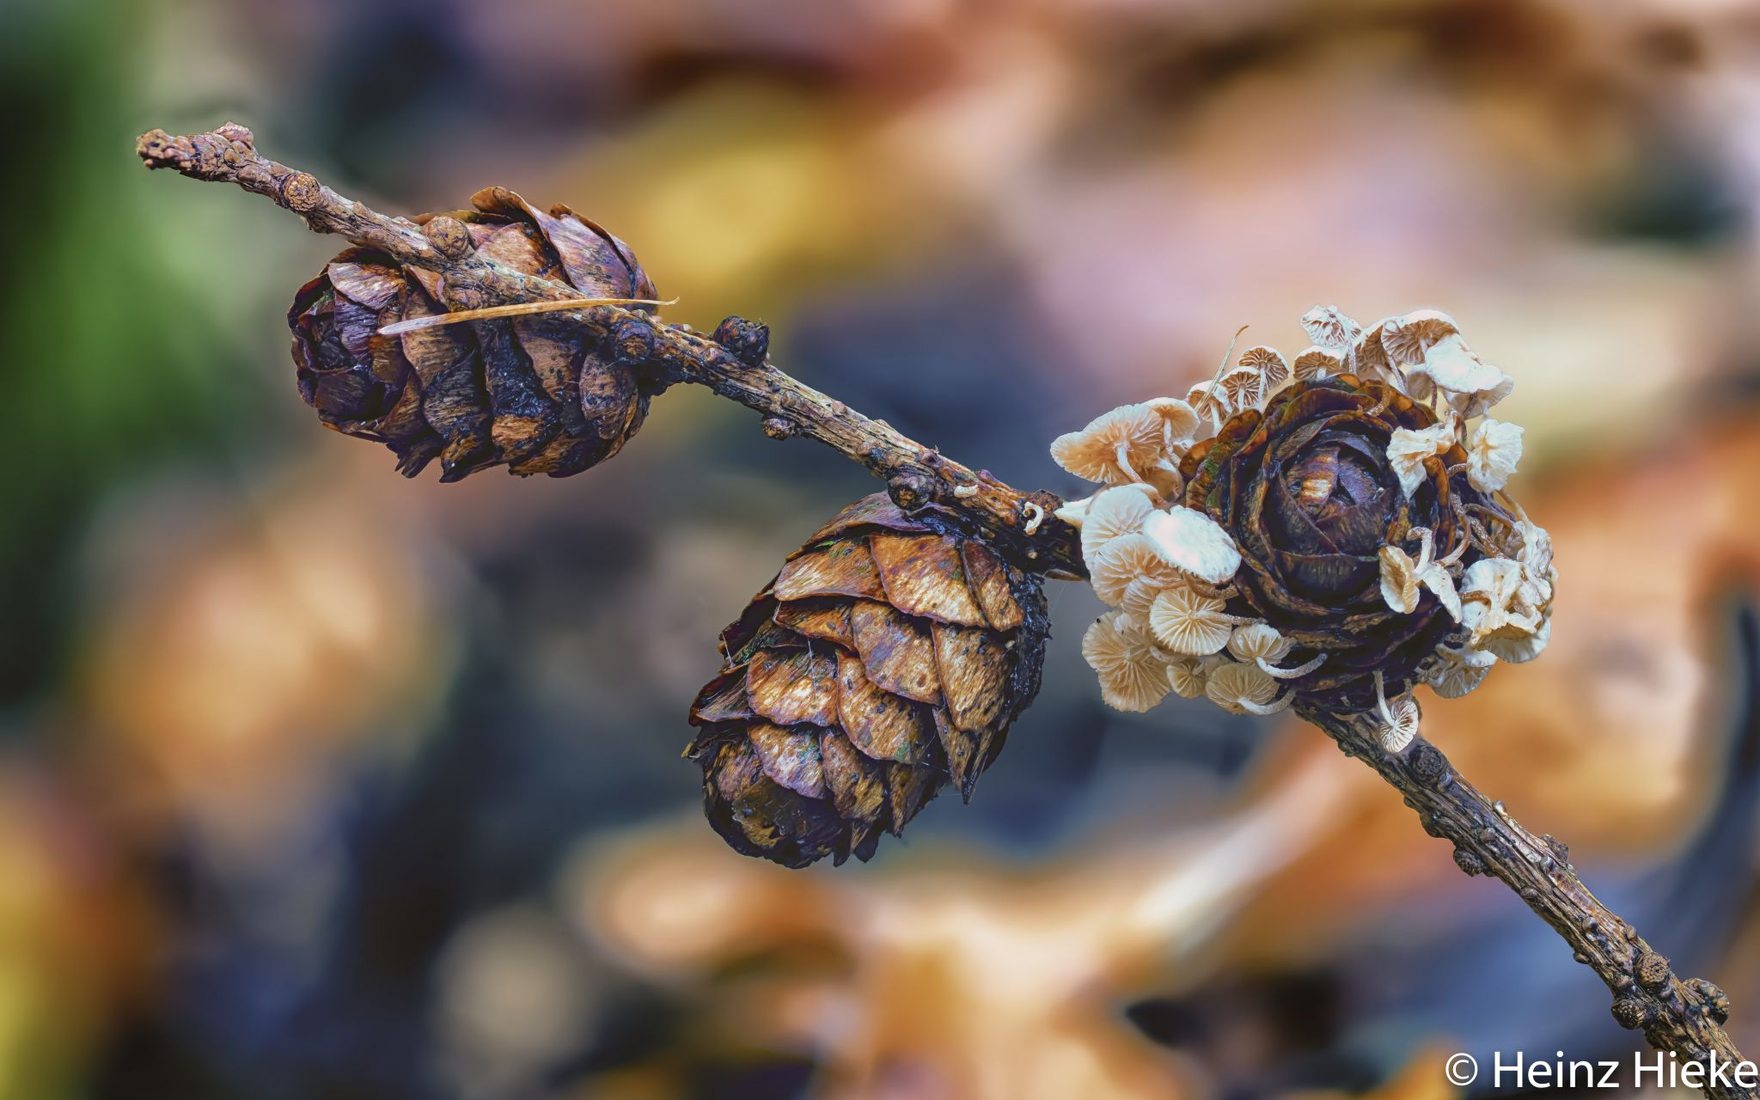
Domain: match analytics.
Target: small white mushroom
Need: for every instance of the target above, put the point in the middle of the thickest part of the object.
(1536, 552)
(1438, 580)
(1113, 447)
(1187, 676)
(1268, 362)
(1369, 359)
(1538, 573)
(1139, 595)
(1399, 719)
(1407, 449)
(1525, 648)
(1493, 604)
(1179, 423)
(1132, 673)
(1399, 580)
(1075, 512)
(1261, 644)
(1190, 623)
(1244, 689)
(1131, 560)
(1111, 514)
(1408, 337)
(1255, 641)
(1194, 542)
(1493, 449)
(1471, 403)
(1456, 672)
(1316, 363)
(1242, 388)
(1429, 345)
(1329, 327)
(1401, 577)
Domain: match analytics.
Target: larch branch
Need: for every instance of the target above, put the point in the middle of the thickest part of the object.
(1682, 1016)
(1020, 523)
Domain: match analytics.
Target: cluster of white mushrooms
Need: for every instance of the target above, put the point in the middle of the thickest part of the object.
(1166, 570)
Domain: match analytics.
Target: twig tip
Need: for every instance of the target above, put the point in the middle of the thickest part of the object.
(207, 155)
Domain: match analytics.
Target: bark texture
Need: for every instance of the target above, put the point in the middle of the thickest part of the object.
(1684, 1016)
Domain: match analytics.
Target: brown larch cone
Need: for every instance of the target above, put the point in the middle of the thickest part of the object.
(1306, 490)
(887, 658)
(538, 394)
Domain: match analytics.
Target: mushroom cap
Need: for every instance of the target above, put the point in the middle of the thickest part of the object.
(1315, 363)
(1133, 675)
(1165, 480)
(1139, 595)
(1240, 689)
(1193, 542)
(1408, 337)
(1207, 399)
(1492, 604)
(1536, 552)
(1179, 421)
(1093, 453)
(1494, 447)
(1243, 388)
(1479, 402)
(1438, 580)
(1187, 676)
(1075, 512)
(1447, 364)
(1131, 560)
(1526, 648)
(1269, 362)
(1399, 580)
(1369, 359)
(1407, 449)
(1190, 623)
(1330, 327)
(1456, 672)
(1257, 641)
(1112, 513)
(1396, 734)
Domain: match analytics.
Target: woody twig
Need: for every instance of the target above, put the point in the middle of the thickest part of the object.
(1682, 1016)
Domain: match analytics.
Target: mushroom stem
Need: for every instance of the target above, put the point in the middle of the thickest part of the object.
(1124, 461)
(1276, 706)
(1454, 556)
(1216, 379)
(1291, 673)
(1381, 698)
(1426, 547)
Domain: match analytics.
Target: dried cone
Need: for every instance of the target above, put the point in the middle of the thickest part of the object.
(538, 394)
(883, 661)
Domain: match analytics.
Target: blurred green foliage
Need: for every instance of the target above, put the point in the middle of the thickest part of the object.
(119, 355)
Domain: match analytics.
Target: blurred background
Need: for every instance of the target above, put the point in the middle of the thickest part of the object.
(315, 782)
